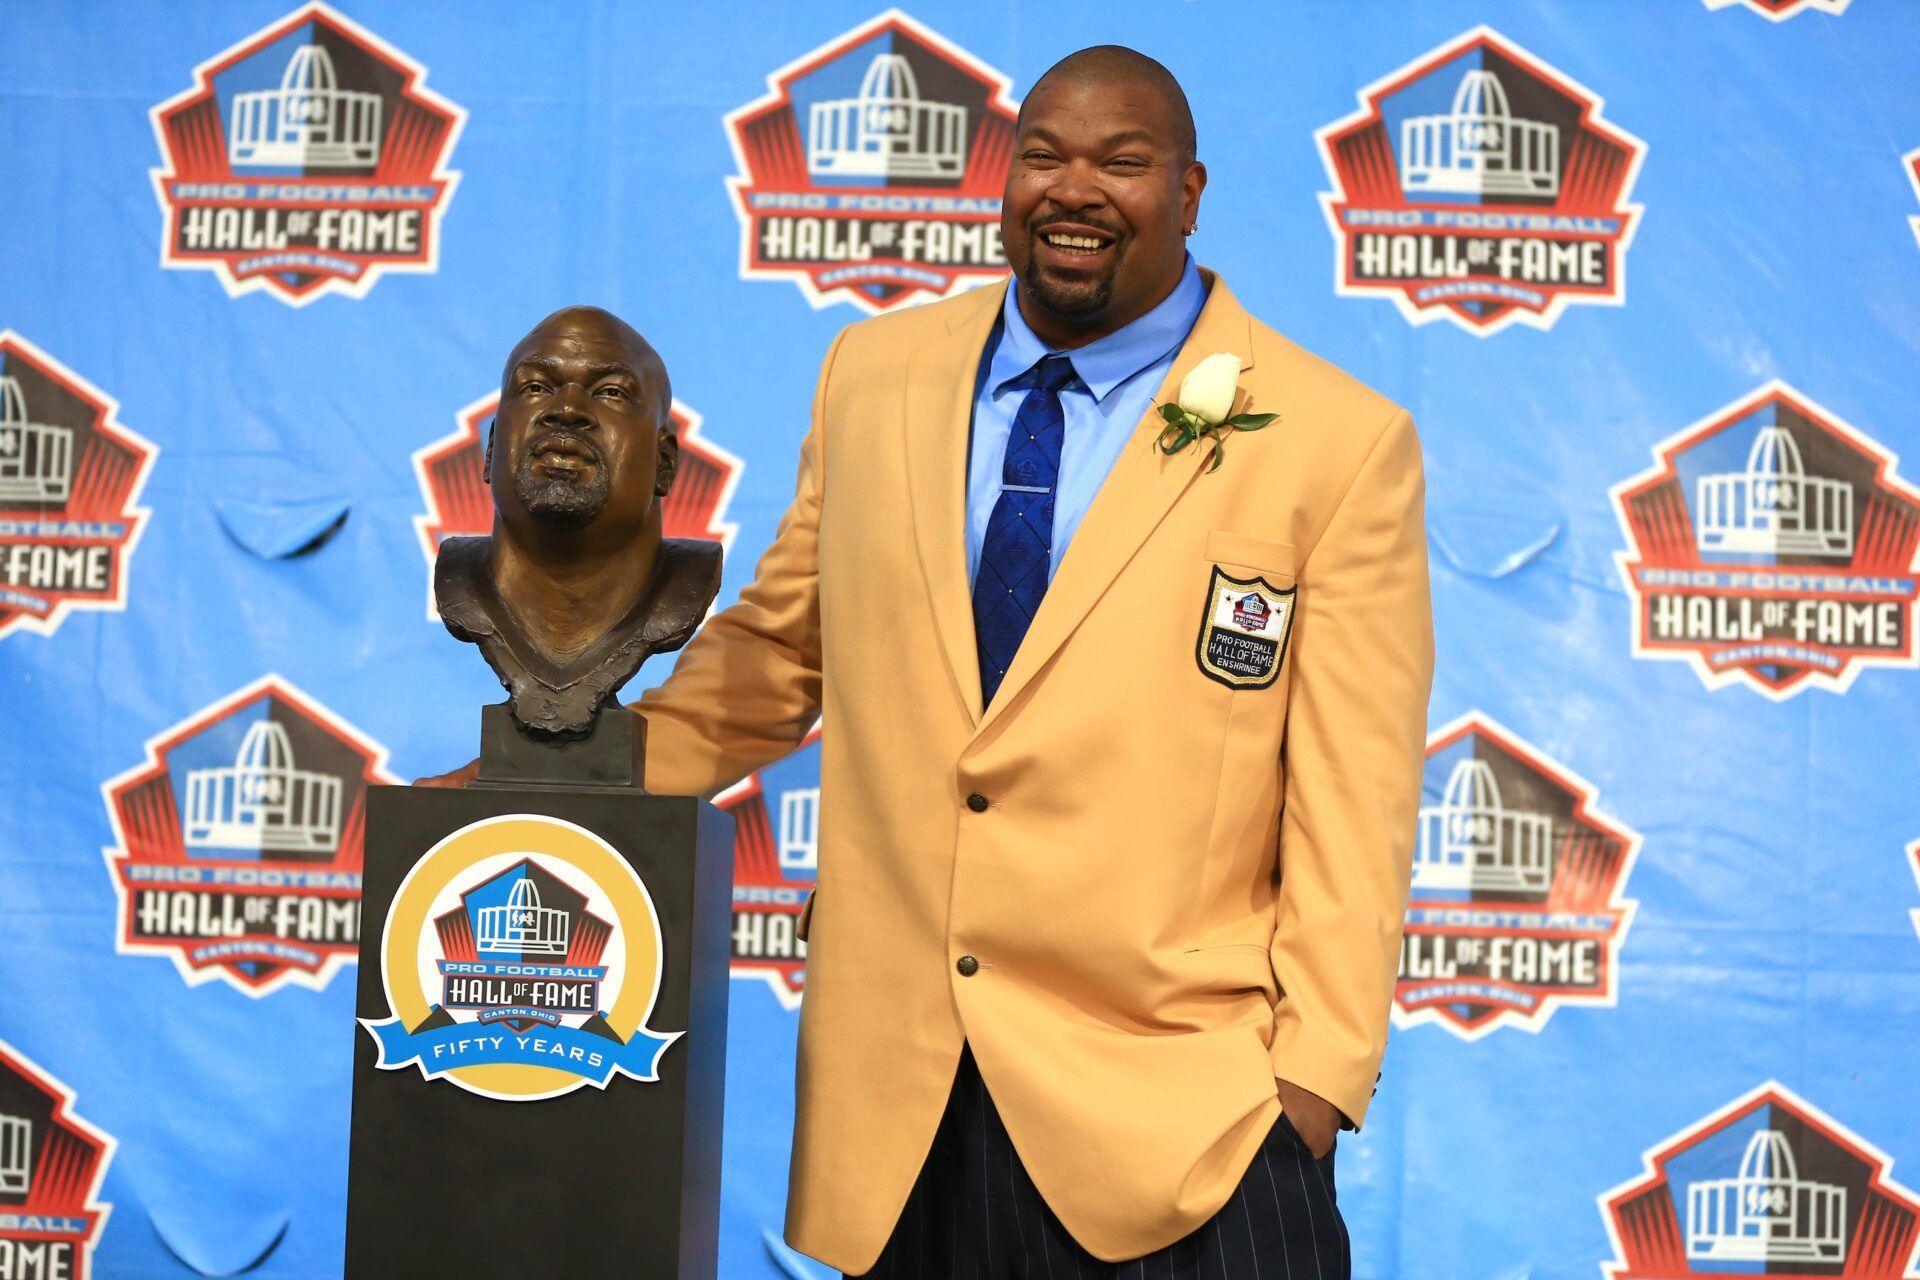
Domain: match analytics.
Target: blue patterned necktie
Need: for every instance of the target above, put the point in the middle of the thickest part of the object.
(1018, 550)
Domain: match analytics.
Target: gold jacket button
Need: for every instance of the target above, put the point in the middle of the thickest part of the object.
(977, 802)
(967, 966)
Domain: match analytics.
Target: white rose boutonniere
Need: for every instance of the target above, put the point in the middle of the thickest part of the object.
(1202, 405)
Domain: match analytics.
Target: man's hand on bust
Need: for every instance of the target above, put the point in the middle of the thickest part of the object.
(1314, 1118)
(458, 778)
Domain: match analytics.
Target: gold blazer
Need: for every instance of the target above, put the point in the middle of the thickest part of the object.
(1178, 874)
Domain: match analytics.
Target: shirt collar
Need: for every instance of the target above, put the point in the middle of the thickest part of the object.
(1107, 362)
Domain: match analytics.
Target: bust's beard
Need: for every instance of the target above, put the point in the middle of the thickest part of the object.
(569, 503)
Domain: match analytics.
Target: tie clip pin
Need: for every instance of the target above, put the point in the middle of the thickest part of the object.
(1026, 488)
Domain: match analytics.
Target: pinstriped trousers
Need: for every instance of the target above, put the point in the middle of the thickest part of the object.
(974, 1214)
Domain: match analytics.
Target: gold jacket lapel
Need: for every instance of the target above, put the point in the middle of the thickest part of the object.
(1142, 487)
(941, 377)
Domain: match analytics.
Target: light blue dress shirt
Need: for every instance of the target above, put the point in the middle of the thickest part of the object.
(1117, 378)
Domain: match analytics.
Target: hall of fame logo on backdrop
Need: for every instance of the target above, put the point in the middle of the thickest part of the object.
(52, 1164)
(1516, 906)
(521, 960)
(70, 482)
(1911, 163)
(871, 170)
(1913, 861)
(452, 476)
(307, 159)
(1781, 10)
(1479, 184)
(238, 844)
(1772, 544)
(776, 856)
(1767, 1185)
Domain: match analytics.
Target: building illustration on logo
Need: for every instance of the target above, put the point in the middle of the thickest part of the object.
(238, 842)
(36, 458)
(800, 829)
(1478, 147)
(887, 131)
(458, 504)
(1471, 840)
(308, 120)
(1516, 905)
(527, 925)
(1766, 1212)
(1773, 507)
(52, 1166)
(521, 926)
(70, 482)
(776, 856)
(1773, 545)
(1768, 1184)
(263, 800)
(16, 1154)
(1480, 185)
(309, 158)
(871, 170)
(1781, 10)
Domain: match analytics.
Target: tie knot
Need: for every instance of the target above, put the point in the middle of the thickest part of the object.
(1053, 373)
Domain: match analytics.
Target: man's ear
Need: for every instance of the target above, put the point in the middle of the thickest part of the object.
(666, 463)
(1191, 185)
(486, 462)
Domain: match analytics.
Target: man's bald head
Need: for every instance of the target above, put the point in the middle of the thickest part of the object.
(1117, 64)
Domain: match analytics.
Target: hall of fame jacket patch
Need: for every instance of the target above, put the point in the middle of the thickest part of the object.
(1243, 630)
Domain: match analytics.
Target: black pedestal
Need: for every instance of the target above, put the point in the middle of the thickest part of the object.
(615, 1181)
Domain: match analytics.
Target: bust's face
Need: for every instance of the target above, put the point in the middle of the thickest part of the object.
(582, 438)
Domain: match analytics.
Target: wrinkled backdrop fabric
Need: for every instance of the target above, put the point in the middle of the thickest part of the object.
(1746, 835)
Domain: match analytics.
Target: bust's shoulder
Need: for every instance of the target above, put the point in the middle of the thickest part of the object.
(683, 590)
(461, 587)
(691, 560)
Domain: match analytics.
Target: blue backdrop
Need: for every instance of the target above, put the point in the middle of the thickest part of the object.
(1646, 273)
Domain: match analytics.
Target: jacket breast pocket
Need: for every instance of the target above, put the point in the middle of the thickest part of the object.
(1275, 561)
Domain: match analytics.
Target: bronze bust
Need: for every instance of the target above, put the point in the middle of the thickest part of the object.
(577, 586)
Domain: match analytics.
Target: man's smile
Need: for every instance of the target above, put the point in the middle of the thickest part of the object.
(1074, 245)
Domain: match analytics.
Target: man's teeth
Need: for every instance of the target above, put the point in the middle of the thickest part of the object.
(1072, 242)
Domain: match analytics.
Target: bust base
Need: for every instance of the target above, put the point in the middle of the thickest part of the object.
(512, 757)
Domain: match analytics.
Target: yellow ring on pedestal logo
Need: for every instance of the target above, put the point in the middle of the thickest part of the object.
(554, 840)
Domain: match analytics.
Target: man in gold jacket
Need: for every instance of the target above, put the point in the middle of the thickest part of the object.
(1085, 931)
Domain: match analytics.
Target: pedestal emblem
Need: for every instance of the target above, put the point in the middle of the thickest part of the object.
(521, 961)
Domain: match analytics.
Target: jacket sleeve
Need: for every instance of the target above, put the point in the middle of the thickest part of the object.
(746, 689)
(1353, 754)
